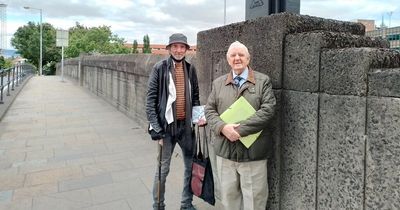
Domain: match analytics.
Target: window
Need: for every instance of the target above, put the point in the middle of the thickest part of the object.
(392, 37)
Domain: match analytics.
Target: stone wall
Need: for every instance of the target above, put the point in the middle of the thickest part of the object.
(336, 139)
(119, 79)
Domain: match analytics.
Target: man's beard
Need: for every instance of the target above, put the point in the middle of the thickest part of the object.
(178, 60)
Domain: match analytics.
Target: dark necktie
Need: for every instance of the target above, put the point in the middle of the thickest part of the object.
(237, 80)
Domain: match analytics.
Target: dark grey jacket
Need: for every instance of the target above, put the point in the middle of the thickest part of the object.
(157, 94)
(258, 92)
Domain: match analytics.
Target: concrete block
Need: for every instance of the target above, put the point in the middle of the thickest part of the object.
(265, 38)
(274, 162)
(11, 182)
(34, 191)
(341, 151)
(85, 182)
(383, 149)
(118, 191)
(120, 205)
(52, 176)
(299, 150)
(5, 196)
(384, 82)
(77, 199)
(344, 71)
(302, 55)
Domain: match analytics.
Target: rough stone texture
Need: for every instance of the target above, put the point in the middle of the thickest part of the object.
(274, 162)
(383, 149)
(302, 55)
(299, 149)
(341, 152)
(119, 79)
(264, 37)
(384, 82)
(345, 71)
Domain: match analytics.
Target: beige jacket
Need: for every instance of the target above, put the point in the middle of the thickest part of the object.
(258, 92)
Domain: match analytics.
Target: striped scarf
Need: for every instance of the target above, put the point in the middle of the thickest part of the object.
(180, 91)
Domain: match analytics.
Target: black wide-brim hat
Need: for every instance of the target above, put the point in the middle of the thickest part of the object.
(178, 38)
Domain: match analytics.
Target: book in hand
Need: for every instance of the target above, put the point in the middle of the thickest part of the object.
(241, 110)
(198, 113)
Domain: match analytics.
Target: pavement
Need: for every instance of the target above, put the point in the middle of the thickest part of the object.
(63, 148)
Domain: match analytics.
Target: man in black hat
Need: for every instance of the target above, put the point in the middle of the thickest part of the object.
(172, 92)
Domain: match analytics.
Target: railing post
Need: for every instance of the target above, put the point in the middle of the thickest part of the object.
(17, 68)
(8, 82)
(21, 73)
(1, 86)
(13, 77)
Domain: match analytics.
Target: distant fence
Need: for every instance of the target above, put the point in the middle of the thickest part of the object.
(12, 77)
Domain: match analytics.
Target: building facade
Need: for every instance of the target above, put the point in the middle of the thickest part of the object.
(391, 34)
(159, 49)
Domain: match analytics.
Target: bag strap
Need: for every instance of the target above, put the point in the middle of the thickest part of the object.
(205, 141)
(198, 142)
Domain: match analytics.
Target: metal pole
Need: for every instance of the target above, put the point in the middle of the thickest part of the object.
(390, 17)
(224, 12)
(8, 82)
(16, 72)
(41, 44)
(1, 86)
(62, 63)
(13, 78)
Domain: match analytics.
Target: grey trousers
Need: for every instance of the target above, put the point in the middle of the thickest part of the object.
(169, 143)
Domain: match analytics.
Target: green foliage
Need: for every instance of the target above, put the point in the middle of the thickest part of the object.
(2, 62)
(27, 42)
(81, 40)
(8, 63)
(146, 44)
(5, 63)
(134, 47)
(95, 40)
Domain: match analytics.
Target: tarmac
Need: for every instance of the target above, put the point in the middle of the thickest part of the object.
(64, 148)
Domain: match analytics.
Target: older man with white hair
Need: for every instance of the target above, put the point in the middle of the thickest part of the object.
(242, 170)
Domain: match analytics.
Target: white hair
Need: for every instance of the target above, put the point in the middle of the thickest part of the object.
(240, 45)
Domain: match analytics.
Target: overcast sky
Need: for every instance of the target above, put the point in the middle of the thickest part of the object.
(132, 19)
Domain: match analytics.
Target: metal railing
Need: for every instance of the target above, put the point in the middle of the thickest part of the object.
(13, 77)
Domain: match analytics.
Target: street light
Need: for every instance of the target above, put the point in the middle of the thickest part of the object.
(41, 38)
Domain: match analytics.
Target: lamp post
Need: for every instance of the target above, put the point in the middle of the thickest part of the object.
(224, 12)
(41, 38)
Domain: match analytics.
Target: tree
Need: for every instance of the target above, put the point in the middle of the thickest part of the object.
(134, 47)
(81, 40)
(2, 62)
(95, 40)
(146, 44)
(27, 42)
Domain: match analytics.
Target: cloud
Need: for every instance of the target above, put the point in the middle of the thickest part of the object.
(132, 19)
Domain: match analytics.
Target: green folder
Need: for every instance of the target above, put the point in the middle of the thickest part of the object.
(240, 110)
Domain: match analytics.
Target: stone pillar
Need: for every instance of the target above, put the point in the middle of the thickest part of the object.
(288, 48)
